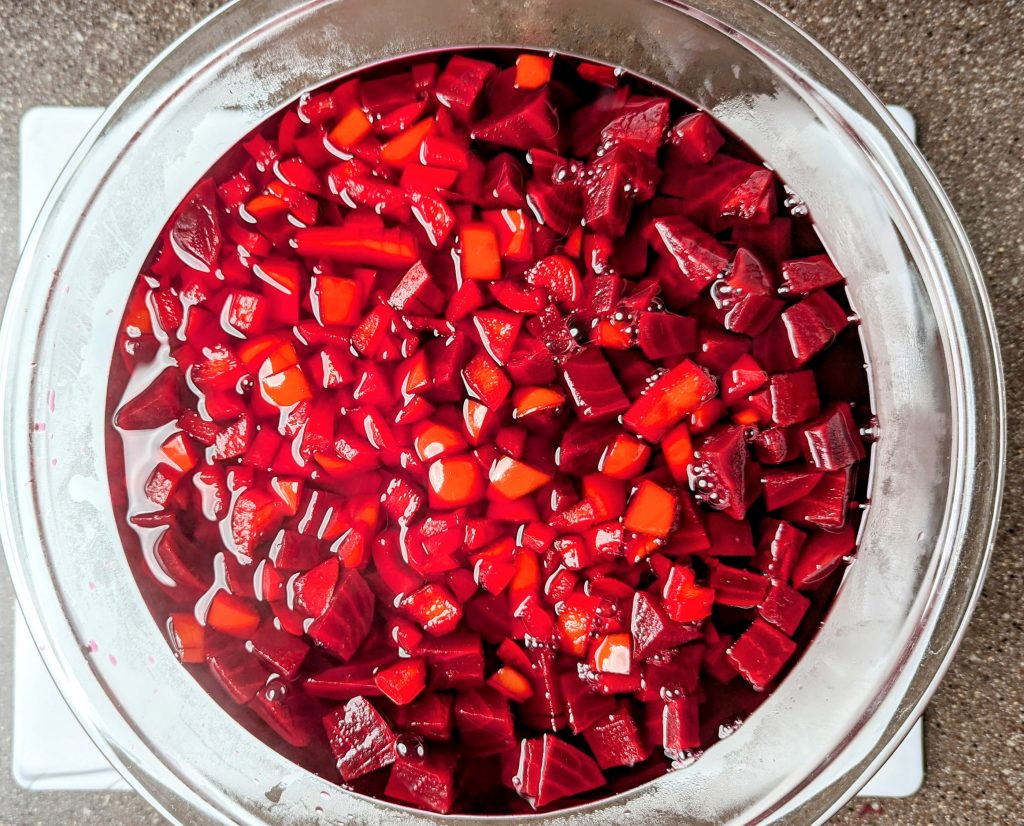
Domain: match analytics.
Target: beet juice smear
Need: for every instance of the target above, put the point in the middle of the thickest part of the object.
(487, 431)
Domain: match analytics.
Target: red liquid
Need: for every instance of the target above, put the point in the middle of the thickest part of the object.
(490, 431)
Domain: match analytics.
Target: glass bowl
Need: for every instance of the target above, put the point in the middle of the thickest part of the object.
(926, 325)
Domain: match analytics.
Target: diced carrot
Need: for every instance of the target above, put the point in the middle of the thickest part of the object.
(477, 420)
(288, 491)
(612, 654)
(335, 300)
(514, 479)
(677, 448)
(479, 259)
(625, 458)
(433, 440)
(404, 148)
(188, 638)
(529, 400)
(511, 683)
(180, 451)
(612, 334)
(533, 71)
(351, 129)
(455, 482)
(286, 388)
(651, 511)
(232, 615)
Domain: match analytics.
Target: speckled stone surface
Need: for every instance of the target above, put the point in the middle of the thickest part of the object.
(958, 67)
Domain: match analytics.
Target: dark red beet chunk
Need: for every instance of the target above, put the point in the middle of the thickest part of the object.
(489, 428)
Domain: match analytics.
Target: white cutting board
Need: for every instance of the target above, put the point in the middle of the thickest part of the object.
(50, 750)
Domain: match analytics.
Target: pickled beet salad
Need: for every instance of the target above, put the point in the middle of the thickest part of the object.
(487, 431)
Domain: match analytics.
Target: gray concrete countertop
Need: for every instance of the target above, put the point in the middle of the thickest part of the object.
(958, 66)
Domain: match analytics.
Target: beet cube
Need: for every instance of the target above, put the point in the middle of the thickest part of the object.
(428, 782)
(760, 653)
(615, 740)
(360, 738)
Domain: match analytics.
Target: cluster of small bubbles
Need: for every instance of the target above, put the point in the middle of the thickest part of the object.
(671, 693)
(794, 203)
(705, 484)
(276, 689)
(656, 305)
(729, 728)
(605, 148)
(683, 759)
(652, 379)
(565, 171)
(411, 747)
(723, 294)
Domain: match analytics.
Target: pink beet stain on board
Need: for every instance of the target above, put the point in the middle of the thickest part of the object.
(500, 434)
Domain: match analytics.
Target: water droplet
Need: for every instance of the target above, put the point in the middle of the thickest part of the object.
(411, 747)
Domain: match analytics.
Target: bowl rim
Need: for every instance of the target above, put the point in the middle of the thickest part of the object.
(994, 471)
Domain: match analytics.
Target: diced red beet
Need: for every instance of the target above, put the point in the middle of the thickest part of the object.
(736, 587)
(361, 739)
(718, 473)
(456, 661)
(279, 651)
(794, 397)
(460, 84)
(239, 675)
(195, 234)
(728, 536)
(158, 404)
(697, 257)
(682, 599)
(484, 721)
(663, 335)
(355, 679)
(696, 138)
(616, 741)
(832, 441)
(779, 549)
(527, 125)
(434, 608)
(550, 769)
(342, 628)
(403, 681)
(828, 504)
(784, 608)
(288, 711)
(430, 716)
(823, 552)
(674, 725)
(592, 386)
(805, 275)
(783, 486)
(760, 653)
(425, 782)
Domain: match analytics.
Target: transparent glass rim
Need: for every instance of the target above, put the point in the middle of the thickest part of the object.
(974, 365)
